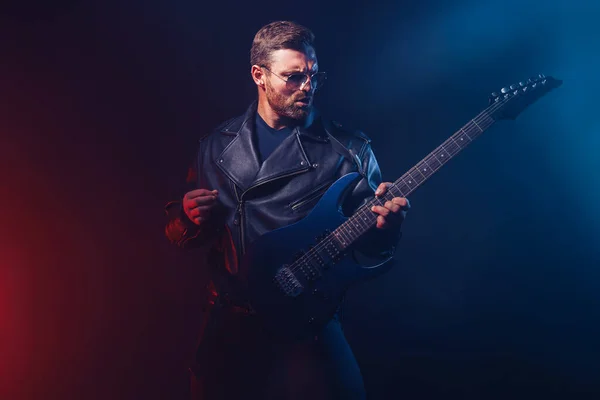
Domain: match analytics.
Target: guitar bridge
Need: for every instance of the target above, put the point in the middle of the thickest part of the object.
(287, 282)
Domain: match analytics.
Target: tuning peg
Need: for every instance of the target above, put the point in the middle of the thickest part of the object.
(541, 76)
(504, 90)
(494, 94)
(513, 87)
(521, 84)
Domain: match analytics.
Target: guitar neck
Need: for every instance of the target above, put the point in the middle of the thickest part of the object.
(364, 219)
(434, 161)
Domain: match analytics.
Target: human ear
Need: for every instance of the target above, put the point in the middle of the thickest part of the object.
(258, 75)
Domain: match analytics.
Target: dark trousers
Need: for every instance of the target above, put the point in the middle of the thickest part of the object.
(236, 360)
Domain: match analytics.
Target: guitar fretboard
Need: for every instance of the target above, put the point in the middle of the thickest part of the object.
(364, 219)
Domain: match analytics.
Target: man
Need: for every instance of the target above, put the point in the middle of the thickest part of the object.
(258, 172)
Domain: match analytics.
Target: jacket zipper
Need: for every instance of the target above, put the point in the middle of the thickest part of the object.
(240, 199)
(311, 196)
(239, 214)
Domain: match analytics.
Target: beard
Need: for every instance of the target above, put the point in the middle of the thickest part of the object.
(286, 105)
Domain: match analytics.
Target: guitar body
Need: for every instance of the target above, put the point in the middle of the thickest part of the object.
(322, 275)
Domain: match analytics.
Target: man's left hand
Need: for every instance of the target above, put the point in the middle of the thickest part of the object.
(393, 211)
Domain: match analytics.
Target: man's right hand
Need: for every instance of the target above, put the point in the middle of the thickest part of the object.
(199, 203)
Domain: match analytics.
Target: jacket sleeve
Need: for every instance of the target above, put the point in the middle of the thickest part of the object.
(377, 244)
(179, 229)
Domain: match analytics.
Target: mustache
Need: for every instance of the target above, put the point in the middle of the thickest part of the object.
(300, 98)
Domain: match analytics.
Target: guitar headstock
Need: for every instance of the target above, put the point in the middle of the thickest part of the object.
(512, 100)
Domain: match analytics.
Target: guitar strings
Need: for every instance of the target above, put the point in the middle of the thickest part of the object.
(482, 117)
(295, 266)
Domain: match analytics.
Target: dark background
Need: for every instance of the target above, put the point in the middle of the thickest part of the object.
(496, 292)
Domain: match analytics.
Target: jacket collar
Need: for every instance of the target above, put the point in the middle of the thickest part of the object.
(314, 131)
(240, 160)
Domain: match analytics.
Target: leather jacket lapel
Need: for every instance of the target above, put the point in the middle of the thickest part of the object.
(240, 159)
(288, 158)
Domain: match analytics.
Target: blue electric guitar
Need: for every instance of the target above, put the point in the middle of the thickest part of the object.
(299, 273)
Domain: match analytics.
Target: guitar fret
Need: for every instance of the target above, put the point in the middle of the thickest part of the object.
(473, 129)
(451, 147)
(350, 232)
(357, 221)
(405, 185)
(433, 162)
(354, 227)
(395, 190)
(477, 125)
(411, 182)
(425, 169)
(388, 196)
(457, 143)
(442, 154)
(463, 139)
(346, 237)
(416, 175)
(340, 241)
(463, 131)
(364, 216)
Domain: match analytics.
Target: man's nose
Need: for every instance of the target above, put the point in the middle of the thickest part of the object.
(307, 85)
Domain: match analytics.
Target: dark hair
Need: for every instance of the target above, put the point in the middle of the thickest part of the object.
(279, 35)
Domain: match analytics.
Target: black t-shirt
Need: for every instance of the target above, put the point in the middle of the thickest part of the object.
(268, 138)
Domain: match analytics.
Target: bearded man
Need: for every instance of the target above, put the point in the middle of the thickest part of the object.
(258, 172)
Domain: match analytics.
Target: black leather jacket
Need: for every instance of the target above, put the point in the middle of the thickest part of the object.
(255, 198)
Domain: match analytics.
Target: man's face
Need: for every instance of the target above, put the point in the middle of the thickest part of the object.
(287, 99)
